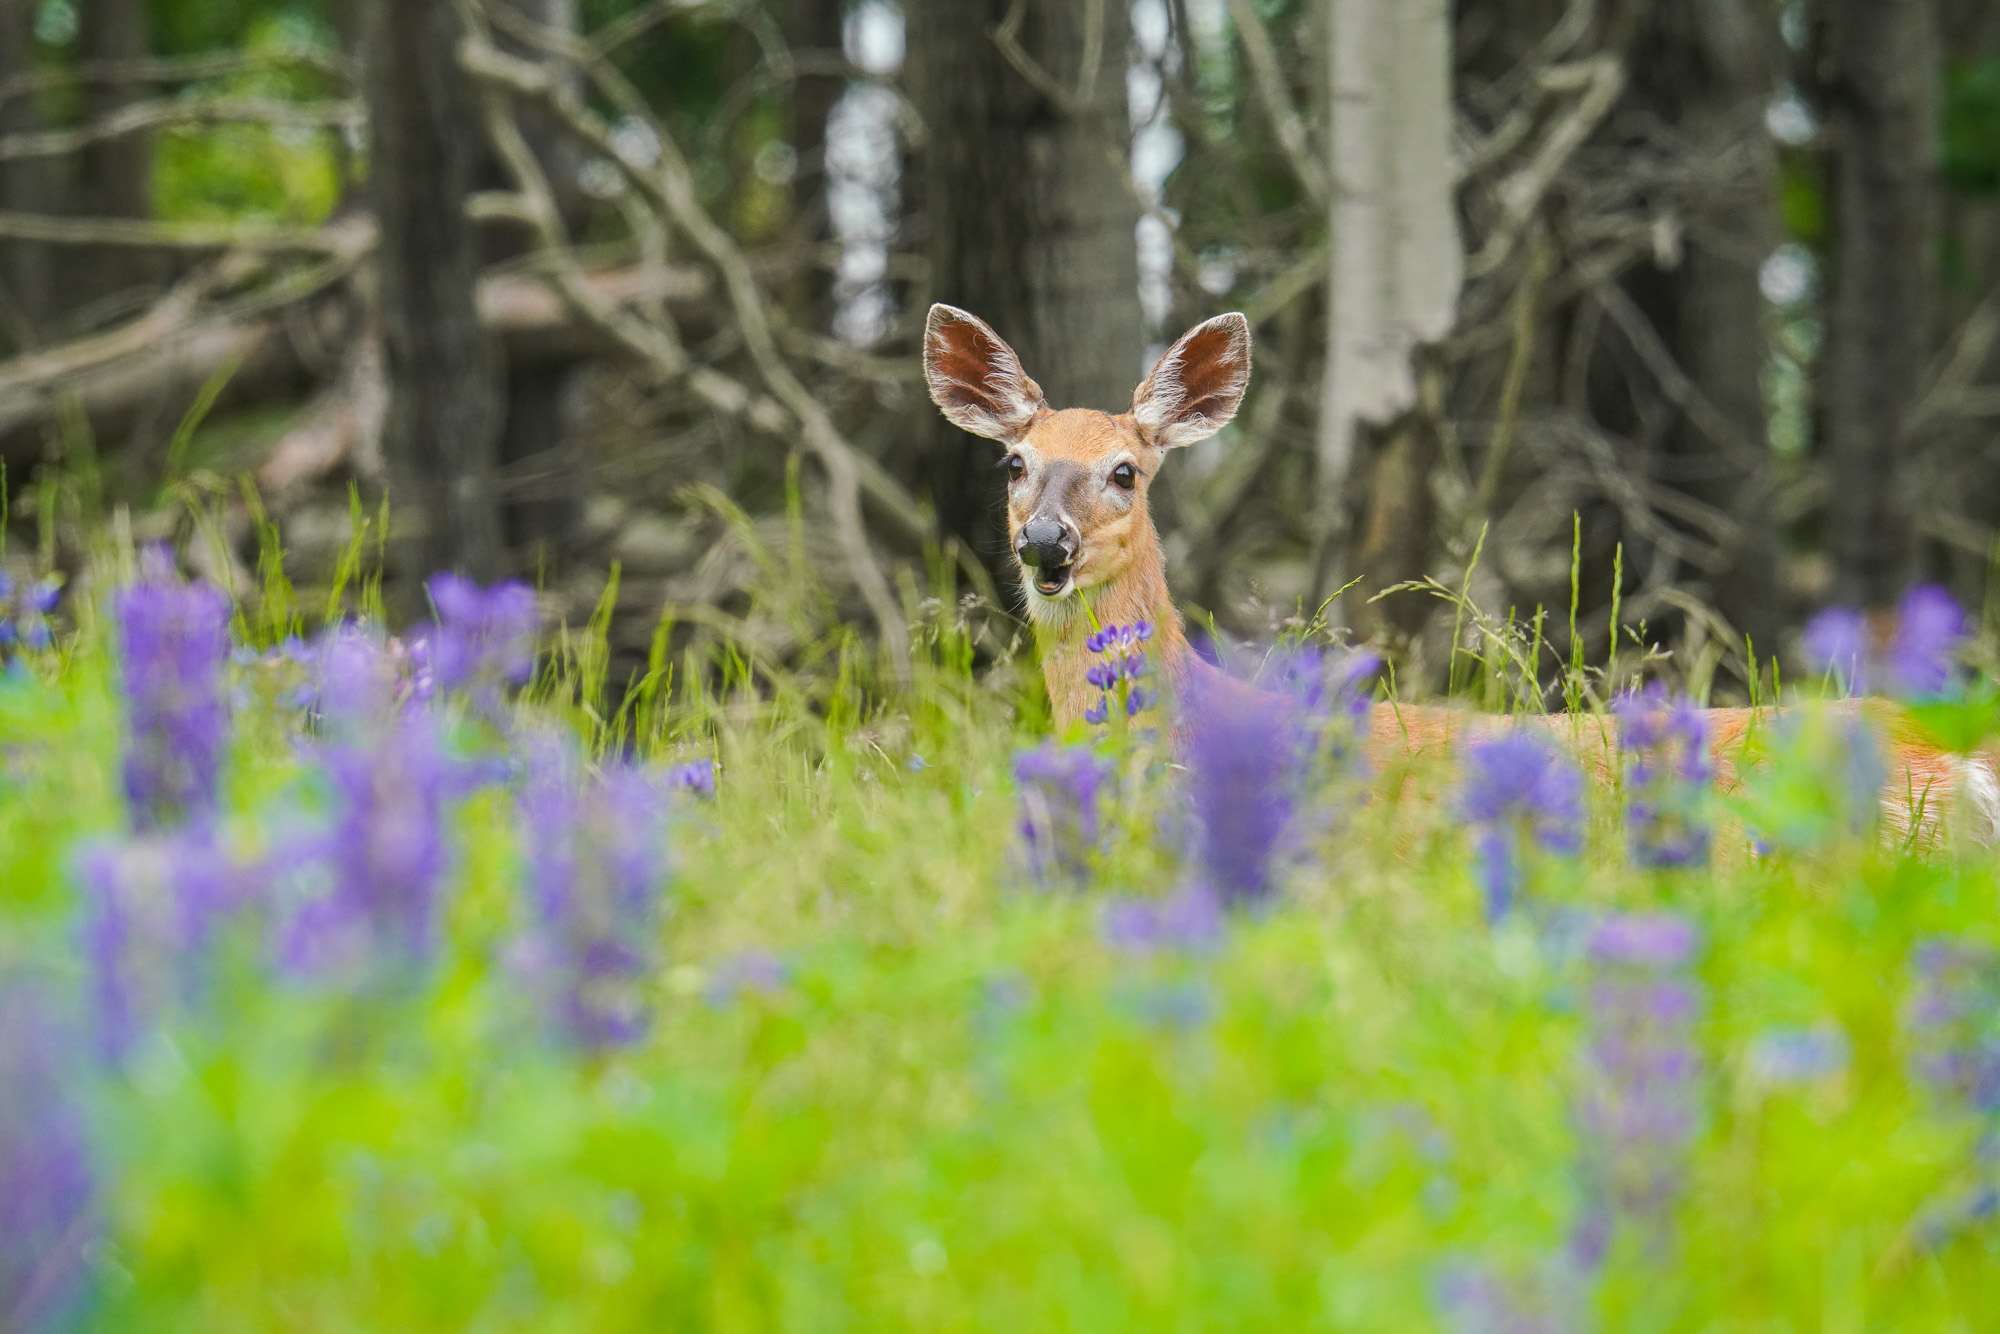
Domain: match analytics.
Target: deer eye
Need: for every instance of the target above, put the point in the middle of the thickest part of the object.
(1017, 467)
(1125, 477)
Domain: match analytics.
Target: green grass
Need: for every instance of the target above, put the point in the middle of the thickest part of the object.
(964, 1110)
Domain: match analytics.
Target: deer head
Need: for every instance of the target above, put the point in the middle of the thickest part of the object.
(1077, 480)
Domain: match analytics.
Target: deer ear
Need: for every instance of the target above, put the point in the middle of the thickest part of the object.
(975, 378)
(1197, 386)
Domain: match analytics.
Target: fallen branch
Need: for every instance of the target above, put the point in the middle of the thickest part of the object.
(141, 116)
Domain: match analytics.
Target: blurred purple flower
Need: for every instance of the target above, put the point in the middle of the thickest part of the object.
(1062, 791)
(385, 852)
(1244, 761)
(1782, 1057)
(48, 1216)
(596, 862)
(1639, 1103)
(1515, 786)
(151, 910)
(1930, 627)
(1474, 1299)
(1668, 779)
(1837, 642)
(1921, 659)
(1952, 1022)
(1189, 921)
(485, 640)
(173, 641)
(696, 777)
(754, 972)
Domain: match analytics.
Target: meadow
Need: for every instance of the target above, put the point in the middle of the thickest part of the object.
(350, 983)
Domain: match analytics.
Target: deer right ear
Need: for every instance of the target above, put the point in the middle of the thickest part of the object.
(1197, 386)
(975, 378)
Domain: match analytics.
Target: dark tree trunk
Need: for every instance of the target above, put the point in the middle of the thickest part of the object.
(23, 185)
(1031, 218)
(443, 423)
(117, 174)
(813, 27)
(1706, 69)
(1880, 74)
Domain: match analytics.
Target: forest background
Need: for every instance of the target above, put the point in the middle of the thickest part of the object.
(1684, 314)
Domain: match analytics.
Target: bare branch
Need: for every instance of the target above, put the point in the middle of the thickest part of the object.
(264, 238)
(1601, 80)
(141, 116)
(178, 69)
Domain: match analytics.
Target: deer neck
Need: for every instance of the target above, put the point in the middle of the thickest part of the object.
(1138, 594)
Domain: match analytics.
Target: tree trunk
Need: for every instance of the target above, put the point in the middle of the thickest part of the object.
(1032, 220)
(1706, 68)
(117, 175)
(1395, 257)
(444, 412)
(23, 186)
(1880, 72)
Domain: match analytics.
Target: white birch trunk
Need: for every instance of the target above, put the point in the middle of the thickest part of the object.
(1395, 255)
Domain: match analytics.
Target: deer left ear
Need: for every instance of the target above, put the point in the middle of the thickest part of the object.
(1197, 386)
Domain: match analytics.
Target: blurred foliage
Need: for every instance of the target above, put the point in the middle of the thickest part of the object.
(1972, 127)
(276, 173)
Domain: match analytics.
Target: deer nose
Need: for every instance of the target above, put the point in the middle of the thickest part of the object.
(1043, 543)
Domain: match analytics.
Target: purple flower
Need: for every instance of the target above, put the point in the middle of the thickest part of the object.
(1781, 1057)
(151, 910)
(1121, 666)
(1921, 658)
(754, 972)
(1190, 921)
(1930, 627)
(1638, 1107)
(48, 1214)
(1837, 642)
(1474, 1299)
(697, 778)
(597, 867)
(1515, 785)
(173, 642)
(1952, 1022)
(1062, 790)
(485, 641)
(1243, 756)
(1668, 780)
(385, 853)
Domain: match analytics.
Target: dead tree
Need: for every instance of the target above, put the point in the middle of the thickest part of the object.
(1030, 213)
(441, 436)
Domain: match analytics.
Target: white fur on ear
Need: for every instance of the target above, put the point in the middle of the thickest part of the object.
(974, 377)
(1197, 386)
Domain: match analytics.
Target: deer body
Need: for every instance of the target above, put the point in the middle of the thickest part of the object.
(1078, 523)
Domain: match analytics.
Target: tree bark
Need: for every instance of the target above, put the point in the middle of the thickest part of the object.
(441, 437)
(1394, 254)
(814, 26)
(117, 174)
(1032, 220)
(1706, 69)
(1880, 85)
(23, 185)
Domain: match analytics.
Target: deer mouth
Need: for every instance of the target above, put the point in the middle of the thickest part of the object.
(1052, 581)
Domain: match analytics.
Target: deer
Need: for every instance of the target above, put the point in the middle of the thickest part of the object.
(1089, 556)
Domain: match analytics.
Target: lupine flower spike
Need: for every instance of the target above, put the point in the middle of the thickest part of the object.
(173, 643)
(1120, 669)
(485, 641)
(1639, 1106)
(1243, 760)
(597, 865)
(1062, 790)
(1518, 788)
(1668, 779)
(48, 1215)
(1920, 662)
